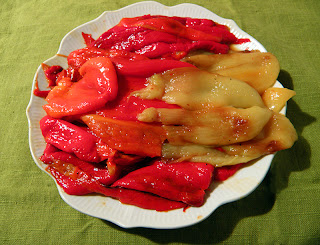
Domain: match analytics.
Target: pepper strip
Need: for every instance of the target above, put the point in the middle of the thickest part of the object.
(144, 38)
(75, 181)
(78, 57)
(226, 35)
(97, 86)
(225, 172)
(88, 39)
(127, 136)
(40, 93)
(183, 181)
(127, 107)
(69, 138)
(69, 165)
(51, 73)
(146, 68)
(175, 27)
(179, 50)
(115, 35)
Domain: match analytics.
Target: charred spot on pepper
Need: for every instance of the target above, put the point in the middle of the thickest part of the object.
(240, 126)
(274, 146)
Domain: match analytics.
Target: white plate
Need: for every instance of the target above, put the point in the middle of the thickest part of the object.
(127, 216)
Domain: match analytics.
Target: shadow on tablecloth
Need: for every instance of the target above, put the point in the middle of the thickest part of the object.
(298, 157)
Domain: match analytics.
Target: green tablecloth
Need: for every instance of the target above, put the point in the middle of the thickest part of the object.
(284, 209)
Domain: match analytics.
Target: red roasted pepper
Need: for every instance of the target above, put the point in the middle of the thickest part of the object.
(115, 35)
(146, 68)
(70, 138)
(183, 181)
(114, 157)
(127, 136)
(40, 93)
(51, 73)
(82, 143)
(127, 22)
(225, 172)
(226, 35)
(187, 21)
(146, 200)
(130, 107)
(69, 186)
(97, 86)
(194, 21)
(78, 57)
(127, 107)
(76, 181)
(68, 164)
(179, 50)
(175, 27)
(144, 38)
(88, 39)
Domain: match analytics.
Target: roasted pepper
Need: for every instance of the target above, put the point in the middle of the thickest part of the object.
(76, 181)
(127, 136)
(176, 28)
(51, 73)
(115, 35)
(183, 181)
(225, 172)
(146, 68)
(70, 138)
(97, 86)
(180, 49)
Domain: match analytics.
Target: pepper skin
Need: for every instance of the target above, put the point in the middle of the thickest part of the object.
(70, 138)
(127, 136)
(225, 172)
(183, 181)
(97, 86)
(146, 68)
(76, 181)
(175, 27)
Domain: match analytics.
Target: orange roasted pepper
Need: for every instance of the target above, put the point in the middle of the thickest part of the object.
(97, 86)
(127, 136)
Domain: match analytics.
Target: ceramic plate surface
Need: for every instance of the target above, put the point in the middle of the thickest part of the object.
(127, 216)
